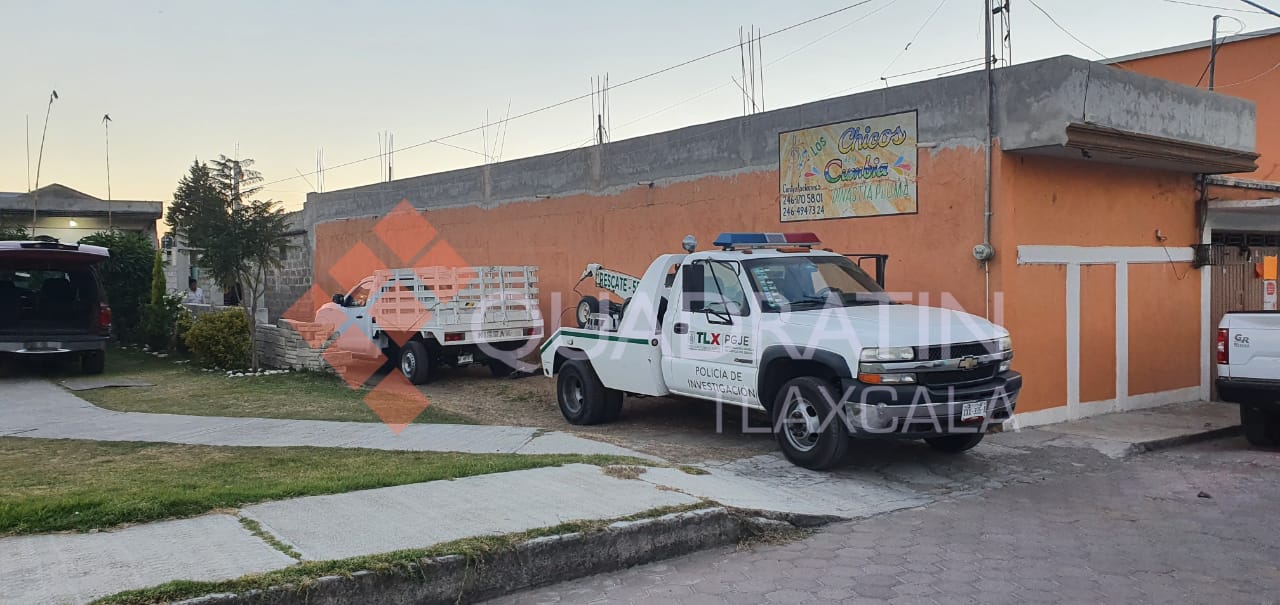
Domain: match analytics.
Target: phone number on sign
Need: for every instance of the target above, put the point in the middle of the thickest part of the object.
(803, 205)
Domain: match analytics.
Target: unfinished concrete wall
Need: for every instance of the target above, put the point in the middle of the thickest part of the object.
(287, 285)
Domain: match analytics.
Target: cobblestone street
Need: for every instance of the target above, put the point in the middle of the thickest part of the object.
(1190, 525)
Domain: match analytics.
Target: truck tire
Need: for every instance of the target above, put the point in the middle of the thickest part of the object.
(93, 362)
(810, 432)
(1261, 426)
(954, 444)
(587, 307)
(415, 362)
(583, 398)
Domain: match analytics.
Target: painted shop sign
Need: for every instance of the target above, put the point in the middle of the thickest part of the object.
(862, 167)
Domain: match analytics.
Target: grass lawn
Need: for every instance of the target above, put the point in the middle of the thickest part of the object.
(181, 389)
(63, 484)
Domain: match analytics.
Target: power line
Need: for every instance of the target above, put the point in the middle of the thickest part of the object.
(1273, 68)
(588, 95)
(913, 38)
(1064, 30)
(1220, 8)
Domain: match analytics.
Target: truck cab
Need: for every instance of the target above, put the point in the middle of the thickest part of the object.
(769, 322)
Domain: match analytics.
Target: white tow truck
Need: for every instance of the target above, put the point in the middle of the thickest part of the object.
(428, 317)
(770, 323)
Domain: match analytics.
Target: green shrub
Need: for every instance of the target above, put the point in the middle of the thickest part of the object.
(159, 322)
(13, 232)
(180, 329)
(126, 277)
(220, 340)
(158, 286)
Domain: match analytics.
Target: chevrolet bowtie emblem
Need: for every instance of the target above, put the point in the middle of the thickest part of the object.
(968, 363)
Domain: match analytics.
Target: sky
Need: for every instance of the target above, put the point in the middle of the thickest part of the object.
(280, 81)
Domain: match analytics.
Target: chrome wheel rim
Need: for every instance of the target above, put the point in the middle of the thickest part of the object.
(571, 395)
(584, 313)
(802, 425)
(408, 363)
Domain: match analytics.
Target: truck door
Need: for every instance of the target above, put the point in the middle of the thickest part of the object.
(359, 307)
(711, 331)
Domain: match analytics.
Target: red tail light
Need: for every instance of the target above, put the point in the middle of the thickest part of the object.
(532, 331)
(104, 320)
(1224, 355)
(454, 336)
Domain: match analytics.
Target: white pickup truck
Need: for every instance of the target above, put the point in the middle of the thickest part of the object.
(769, 323)
(1249, 372)
(428, 317)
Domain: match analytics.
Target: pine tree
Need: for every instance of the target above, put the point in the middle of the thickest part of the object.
(158, 285)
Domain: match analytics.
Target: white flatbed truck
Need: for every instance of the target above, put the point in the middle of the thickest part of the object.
(770, 323)
(428, 317)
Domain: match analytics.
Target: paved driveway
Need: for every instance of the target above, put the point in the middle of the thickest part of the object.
(1132, 531)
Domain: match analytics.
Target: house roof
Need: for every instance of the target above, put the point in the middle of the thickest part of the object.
(1262, 33)
(60, 200)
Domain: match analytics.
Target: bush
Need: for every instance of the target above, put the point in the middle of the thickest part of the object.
(159, 322)
(14, 232)
(126, 277)
(220, 340)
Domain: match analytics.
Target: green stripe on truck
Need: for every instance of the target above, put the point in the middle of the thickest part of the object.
(593, 336)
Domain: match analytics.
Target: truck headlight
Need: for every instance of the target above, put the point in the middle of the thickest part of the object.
(888, 354)
(1006, 343)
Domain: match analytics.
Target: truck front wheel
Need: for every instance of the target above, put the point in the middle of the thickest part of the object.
(1261, 426)
(415, 362)
(807, 424)
(583, 398)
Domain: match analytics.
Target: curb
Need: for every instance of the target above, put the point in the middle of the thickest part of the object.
(1169, 442)
(453, 579)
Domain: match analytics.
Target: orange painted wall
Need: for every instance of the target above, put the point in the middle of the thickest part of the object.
(1036, 317)
(1097, 332)
(1164, 331)
(1245, 69)
(929, 252)
(1047, 201)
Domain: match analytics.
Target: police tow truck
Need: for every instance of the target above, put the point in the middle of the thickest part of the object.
(768, 322)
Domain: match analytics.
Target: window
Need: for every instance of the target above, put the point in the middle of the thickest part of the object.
(359, 297)
(714, 287)
(802, 283)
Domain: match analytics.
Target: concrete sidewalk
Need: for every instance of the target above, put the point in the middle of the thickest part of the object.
(879, 477)
(1124, 433)
(38, 409)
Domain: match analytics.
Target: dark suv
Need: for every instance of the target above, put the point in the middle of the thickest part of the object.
(52, 302)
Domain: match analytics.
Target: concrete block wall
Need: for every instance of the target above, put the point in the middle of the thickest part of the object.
(288, 285)
(285, 345)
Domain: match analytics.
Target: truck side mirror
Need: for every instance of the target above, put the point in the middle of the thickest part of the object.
(339, 299)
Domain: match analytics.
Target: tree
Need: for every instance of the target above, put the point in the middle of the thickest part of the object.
(13, 232)
(158, 286)
(238, 239)
(126, 277)
(236, 180)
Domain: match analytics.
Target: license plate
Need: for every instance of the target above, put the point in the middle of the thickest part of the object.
(492, 334)
(466, 359)
(972, 410)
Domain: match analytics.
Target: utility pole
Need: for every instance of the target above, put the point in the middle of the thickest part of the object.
(1212, 53)
(106, 133)
(35, 205)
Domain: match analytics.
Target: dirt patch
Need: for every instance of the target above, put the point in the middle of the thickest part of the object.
(622, 471)
(679, 430)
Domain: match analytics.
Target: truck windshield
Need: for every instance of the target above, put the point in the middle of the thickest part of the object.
(802, 283)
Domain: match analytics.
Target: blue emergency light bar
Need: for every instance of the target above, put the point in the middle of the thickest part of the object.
(729, 241)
